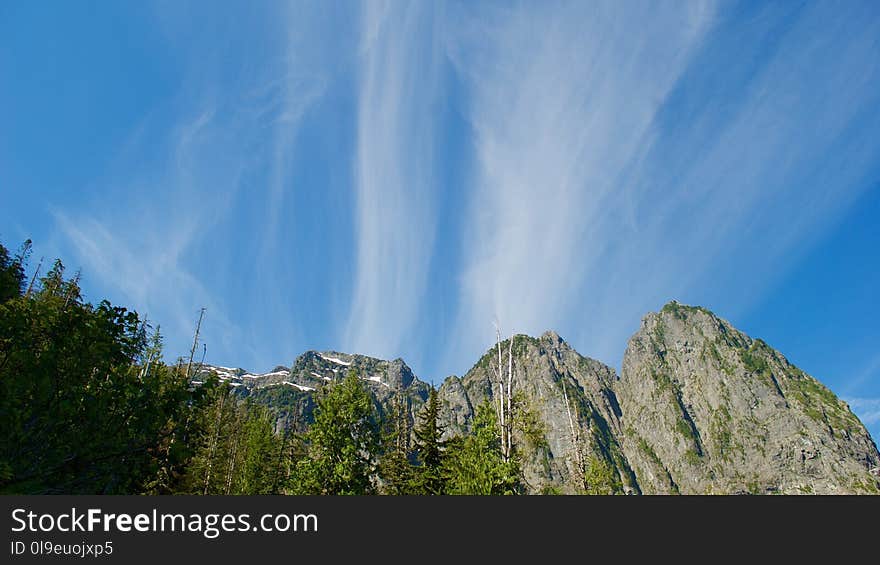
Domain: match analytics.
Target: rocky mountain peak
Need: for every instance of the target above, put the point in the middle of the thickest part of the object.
(698, 407)
(553, 338)
(709, 409)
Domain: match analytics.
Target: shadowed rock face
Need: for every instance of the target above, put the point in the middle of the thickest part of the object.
(699, 407)
(707, 409)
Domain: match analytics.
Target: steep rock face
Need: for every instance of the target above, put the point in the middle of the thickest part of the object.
(553, 448)
(707, 409)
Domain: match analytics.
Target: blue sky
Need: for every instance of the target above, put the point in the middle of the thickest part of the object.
(392, 178)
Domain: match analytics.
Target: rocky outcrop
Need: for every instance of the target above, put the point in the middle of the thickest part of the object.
(707, 409)
(556, 439)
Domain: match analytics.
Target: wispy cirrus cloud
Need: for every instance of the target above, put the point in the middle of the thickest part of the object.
(391, 179)
(206, 173)
(394, 178)
(561, 101)
(141, 248)
(631, 154)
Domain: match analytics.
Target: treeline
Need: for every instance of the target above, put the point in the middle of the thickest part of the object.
(87, 405)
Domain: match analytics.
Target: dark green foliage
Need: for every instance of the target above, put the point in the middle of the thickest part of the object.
(396, 471)
(81, 411)
(341, 442)
(474, 463)
(601, 478)
(12, 272)
(235, 448)
(430, 448)
(528, 423)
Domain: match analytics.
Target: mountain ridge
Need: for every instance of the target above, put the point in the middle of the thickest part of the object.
(697, 407)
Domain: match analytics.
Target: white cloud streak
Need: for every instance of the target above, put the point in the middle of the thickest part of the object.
(600, 194)
(153, 278)
(155, 248)
(141, 248)
(394, 176)
(562, 100)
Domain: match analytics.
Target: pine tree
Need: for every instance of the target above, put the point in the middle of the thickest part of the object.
(12, 272)
(256, 474)
(430, 448)
(341, 443)
(395, 466)
(476, 462)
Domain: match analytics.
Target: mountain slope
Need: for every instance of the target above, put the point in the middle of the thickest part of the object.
(546, 372)
(707, 409)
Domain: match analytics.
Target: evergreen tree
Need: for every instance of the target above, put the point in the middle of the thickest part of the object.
(340, 443)
(395, 466)
(12, 272)
(77, 416)
(256, 474)
(229, 446)
(430, 448)
(475, 463)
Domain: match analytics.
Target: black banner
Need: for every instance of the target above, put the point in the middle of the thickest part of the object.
(217, 529)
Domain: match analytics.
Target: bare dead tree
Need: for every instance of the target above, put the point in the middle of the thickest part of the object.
(575, 436)
(509, 388)
(202, 362)
(192, 351)
(500, 376)
(34, 277)
(505, 394)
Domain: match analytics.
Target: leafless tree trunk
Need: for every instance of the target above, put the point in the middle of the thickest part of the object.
(500, 375)
(509, 389)
(505, 395)
(34, 278)
(575, 437)
(192, 352)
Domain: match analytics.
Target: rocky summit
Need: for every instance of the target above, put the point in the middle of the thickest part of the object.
(698, 408)
(707, 409)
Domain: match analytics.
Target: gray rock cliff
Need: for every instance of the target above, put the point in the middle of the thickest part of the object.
(707, 409)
